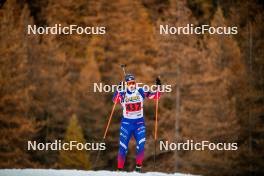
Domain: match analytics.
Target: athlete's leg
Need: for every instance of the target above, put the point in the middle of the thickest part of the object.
(140, 136)
(125, 134)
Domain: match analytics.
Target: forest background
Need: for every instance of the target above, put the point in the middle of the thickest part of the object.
(217, 81)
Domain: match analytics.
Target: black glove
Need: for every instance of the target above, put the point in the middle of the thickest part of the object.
(121, 83)
(158, 82)
(121, 86)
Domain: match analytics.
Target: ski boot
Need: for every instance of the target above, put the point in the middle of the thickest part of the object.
(119, 170)
(138, 168)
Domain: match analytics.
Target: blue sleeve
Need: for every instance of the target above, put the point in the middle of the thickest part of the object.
(114, 96)
(121, 95)
(142, 92)
(149, 94)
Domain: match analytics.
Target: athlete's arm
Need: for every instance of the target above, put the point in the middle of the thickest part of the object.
(117, 97)
(151, 95)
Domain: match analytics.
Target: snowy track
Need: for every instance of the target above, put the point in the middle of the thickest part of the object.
(53, 172)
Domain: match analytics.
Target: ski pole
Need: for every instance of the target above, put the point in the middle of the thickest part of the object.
(156, 118)
(123, 66)
(110, 117)
(107, 127)
(156, 128)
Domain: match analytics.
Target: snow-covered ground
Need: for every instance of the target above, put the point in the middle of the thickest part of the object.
(53, 172)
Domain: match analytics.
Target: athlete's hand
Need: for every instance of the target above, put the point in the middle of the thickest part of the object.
(158, 82)
(121, 83)
(121, 86)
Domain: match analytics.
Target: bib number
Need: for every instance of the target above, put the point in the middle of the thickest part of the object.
(130, 107)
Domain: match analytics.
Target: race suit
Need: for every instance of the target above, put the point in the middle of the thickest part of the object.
(132, 122)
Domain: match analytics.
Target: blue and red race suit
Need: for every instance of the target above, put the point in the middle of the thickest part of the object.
(132, 122)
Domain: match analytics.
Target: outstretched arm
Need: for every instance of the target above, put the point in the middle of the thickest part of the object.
(153, 95)
(117, 97)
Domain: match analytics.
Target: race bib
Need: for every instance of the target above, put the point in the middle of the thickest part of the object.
(131, 107)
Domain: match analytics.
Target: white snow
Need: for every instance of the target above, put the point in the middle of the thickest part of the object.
(54, 172)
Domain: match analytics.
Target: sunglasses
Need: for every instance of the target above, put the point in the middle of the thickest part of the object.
(131, 83)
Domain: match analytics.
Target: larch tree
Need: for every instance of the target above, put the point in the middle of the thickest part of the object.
(17, 124)
(74, 159)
